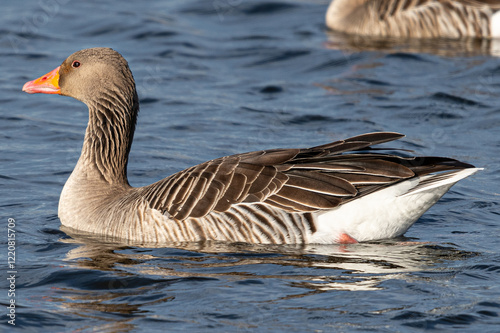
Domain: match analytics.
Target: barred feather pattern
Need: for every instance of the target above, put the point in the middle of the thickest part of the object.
(250, 223)
(413, 18)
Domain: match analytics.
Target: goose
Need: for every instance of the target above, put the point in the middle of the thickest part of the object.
(340, 192)
(416, 18)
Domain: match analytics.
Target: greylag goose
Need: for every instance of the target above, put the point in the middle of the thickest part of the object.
(339, 192)
(416, 18)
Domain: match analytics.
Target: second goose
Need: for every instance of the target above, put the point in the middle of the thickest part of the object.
(416, 18)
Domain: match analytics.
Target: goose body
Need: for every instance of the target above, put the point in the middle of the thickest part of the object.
(416, 18)
(340, 192)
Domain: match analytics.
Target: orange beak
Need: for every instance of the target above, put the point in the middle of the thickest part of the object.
(46, 84)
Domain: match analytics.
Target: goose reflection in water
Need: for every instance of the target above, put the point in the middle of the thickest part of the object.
(349, 266)
(437, 46)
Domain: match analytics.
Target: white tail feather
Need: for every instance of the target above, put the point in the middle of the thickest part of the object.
(386, 213)
(495, 25)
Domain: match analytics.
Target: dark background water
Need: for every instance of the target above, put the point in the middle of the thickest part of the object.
(220, 77)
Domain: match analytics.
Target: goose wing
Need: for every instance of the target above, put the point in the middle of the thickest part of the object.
(297, 180)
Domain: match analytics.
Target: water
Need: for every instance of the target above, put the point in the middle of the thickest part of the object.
(220, 77)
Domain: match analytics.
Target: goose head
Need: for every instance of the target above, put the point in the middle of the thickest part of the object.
(86, 75)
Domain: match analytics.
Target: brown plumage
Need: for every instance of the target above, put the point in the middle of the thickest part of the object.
(297, 180)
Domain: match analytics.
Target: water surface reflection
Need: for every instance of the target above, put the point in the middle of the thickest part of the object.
(437, 46)
(324, 267)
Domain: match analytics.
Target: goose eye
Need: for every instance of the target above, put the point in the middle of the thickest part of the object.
(75, 64)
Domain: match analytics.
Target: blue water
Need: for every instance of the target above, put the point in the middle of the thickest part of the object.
(220, 77)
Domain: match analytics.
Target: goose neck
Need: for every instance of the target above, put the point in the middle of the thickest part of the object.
(109, 136)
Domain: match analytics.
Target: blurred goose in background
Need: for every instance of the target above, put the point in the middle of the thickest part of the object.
(416, 18)
(340, 192)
